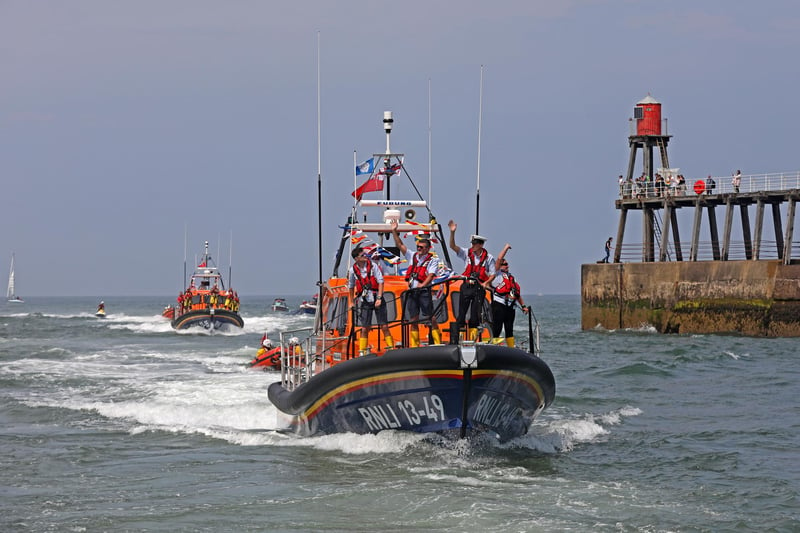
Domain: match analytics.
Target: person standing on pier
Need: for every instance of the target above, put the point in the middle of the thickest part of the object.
(607, 250)
(710, 184)
(736, 181)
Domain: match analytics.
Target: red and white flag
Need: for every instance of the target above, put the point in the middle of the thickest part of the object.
(375, 183)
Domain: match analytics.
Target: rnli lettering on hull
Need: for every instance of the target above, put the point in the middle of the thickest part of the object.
(496, 413)
(403, 413)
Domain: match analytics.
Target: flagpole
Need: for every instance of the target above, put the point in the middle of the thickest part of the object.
(478, 191)
(355, 178)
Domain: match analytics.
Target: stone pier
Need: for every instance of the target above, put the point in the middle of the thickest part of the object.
(760, 298)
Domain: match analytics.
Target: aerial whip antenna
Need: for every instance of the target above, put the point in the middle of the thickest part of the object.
(319, 167)
(478, 190)
(430, 180)
(185, 245)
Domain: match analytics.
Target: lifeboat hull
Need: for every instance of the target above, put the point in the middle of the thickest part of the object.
(267, 359)
(453, 390)
(211, 319)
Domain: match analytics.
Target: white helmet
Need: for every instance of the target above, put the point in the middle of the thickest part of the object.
(267, 343)
(294, 340)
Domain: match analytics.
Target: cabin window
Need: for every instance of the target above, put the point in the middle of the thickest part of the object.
(330, 312)
(337, 314)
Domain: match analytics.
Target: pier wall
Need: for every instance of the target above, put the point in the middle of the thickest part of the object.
(760, 298)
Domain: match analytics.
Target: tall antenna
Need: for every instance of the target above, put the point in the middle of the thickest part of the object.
(430, 180)
(319, 166)
(185, 245)
(230, 262)
(478, 190)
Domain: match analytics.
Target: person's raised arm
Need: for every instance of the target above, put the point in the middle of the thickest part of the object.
(397, 240)
(453, 246)
(502, 255)
(499, 261)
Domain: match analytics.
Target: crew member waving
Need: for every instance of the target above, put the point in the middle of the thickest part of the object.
(479, 272)
(506, 295)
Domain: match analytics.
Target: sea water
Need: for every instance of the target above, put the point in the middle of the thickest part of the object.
(122, 424)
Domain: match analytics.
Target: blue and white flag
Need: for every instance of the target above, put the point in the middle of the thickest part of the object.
(366, 167)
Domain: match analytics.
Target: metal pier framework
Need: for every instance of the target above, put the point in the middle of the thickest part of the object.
(657, 245)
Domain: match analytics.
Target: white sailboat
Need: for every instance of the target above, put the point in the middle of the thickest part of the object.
(11, 294)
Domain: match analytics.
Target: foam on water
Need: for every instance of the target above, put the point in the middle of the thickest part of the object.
(563, 434)
(352, 444)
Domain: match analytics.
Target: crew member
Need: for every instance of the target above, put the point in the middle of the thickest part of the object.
(423, 266)
(366, 294)
(506, 295)
(479, 271)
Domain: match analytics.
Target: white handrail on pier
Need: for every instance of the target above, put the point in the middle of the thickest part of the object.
(750, 183)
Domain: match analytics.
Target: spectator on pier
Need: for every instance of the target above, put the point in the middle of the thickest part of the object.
(659, 185)
(621, 182)
(669, 184)
(710, 184)
(640, 184)
(736, 181)
(607, 250)
(681, 187)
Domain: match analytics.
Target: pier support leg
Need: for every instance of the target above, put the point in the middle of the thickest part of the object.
(758, 229)
(676, 238)
(623, 217)
(744, 214)
(787, 243)
(726, 230)
(667, 222)
(632, 160)
(776, 221)
(698, 217)
(648, 250)
(712, 226)
(669, 214)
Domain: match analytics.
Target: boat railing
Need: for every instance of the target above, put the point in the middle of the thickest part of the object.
(297, 358)
(336, 342)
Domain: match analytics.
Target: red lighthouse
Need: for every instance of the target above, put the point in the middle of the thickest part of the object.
(647, 114)
(648, 137)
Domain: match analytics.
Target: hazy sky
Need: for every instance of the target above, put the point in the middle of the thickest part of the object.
(123, 123)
